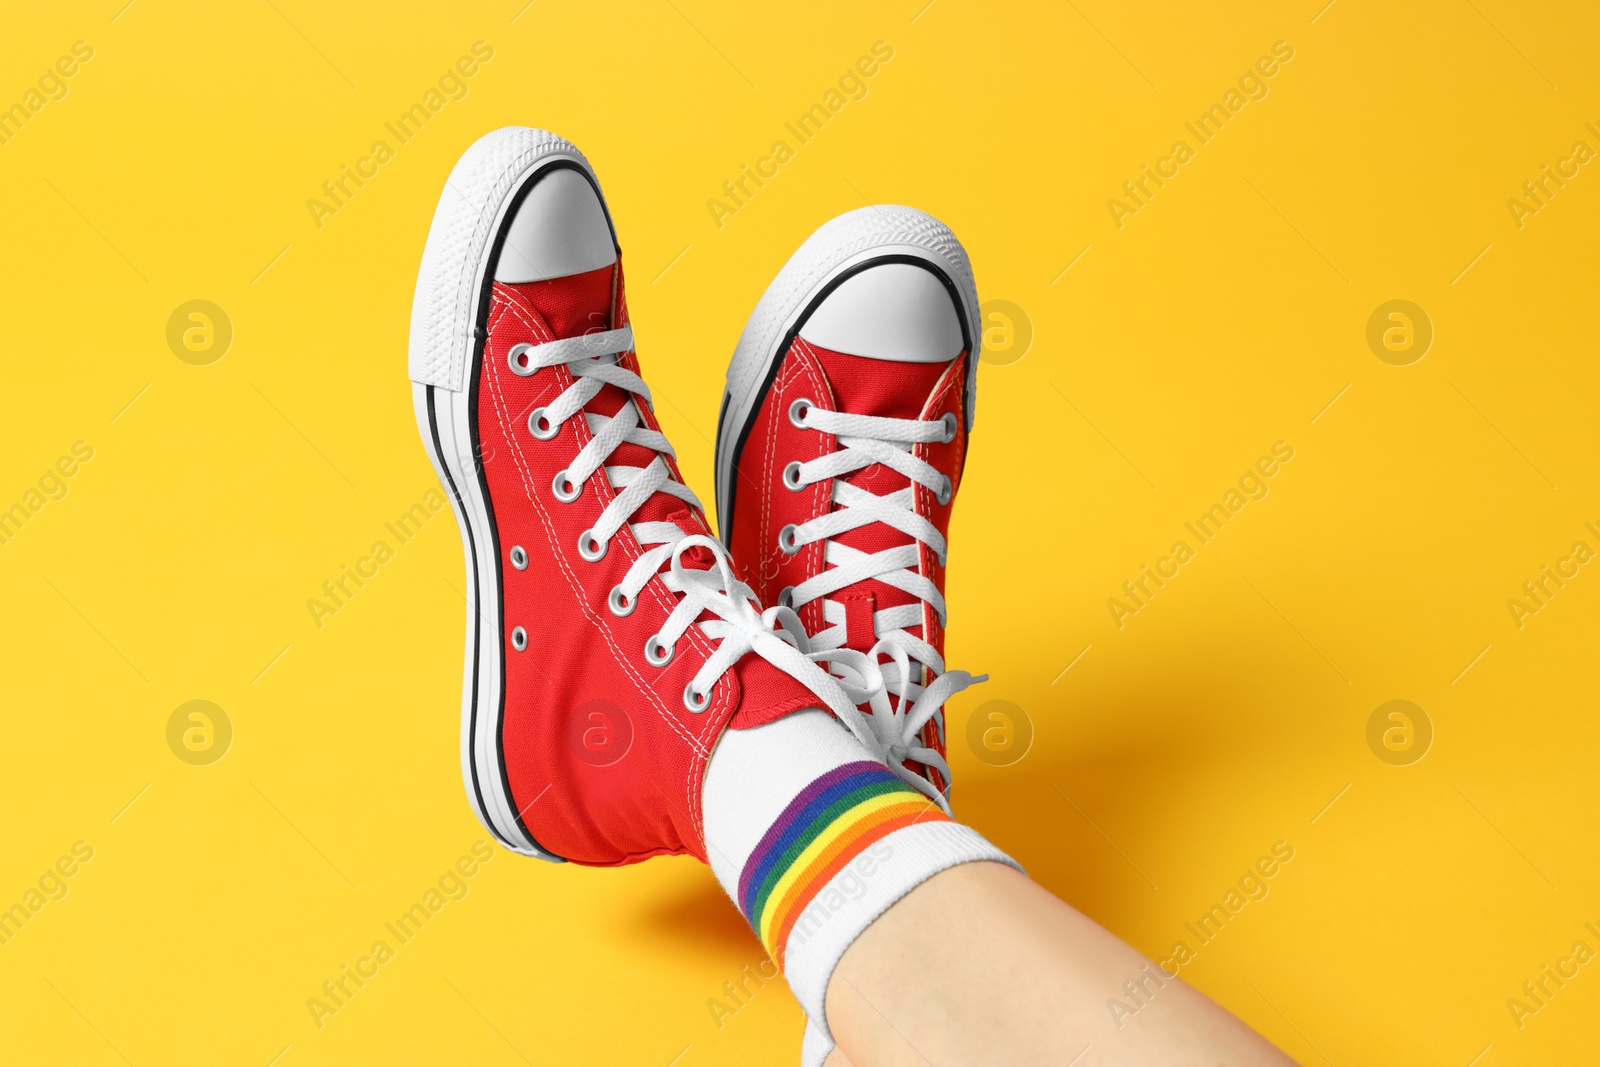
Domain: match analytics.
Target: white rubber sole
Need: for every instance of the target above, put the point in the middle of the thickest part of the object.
(838, 249)
(448, 312)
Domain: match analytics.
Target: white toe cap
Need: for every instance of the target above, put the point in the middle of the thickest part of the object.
(559, 229)
(893, 311)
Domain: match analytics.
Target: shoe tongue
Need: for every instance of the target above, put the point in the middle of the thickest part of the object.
(582, 303)
(884, 388)
(576, 304)
(891, 389)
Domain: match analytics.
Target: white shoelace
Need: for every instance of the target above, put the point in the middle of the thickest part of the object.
(865, 440)
(739, 626)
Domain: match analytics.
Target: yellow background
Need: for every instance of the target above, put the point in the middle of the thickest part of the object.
(1223, 317)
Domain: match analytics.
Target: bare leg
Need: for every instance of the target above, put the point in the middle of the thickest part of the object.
(980, 965)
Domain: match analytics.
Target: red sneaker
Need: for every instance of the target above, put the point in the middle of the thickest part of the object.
(608, 641)
(839, 450)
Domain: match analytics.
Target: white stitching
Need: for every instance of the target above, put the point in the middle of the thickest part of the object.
(510, 305)
(559, 554)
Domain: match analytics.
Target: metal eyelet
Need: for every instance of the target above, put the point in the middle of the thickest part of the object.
(619, 603)
(657, 653)
(786, 597)
(566, 495)
(521, 365)
(945, 491)
(791, 477)
(797, 413)
(590, 547)
(786, 543)
(951, 425)
(541, 427)
(519, 638)
(519, 557)
(695, 702)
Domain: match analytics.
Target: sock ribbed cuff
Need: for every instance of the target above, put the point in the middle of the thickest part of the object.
(831, 828)
(815, 1045)
(870, 885)
(814, 839)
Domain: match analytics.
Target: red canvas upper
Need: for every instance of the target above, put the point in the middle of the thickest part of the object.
(763, 505)
(604, 760)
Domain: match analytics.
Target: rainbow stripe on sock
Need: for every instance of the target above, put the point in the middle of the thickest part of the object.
(831, 822)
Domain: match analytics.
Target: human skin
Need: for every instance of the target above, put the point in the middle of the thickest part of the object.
(981, 965)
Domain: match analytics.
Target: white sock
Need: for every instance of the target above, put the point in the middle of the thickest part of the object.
(814, 838)
(815, 1045)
